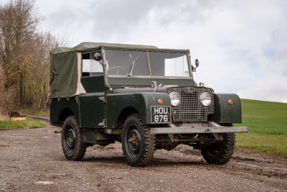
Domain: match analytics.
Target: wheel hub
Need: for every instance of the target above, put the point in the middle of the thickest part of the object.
(133, 141)
(70, 139)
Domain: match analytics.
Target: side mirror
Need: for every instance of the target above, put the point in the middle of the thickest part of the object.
(196, 63)
(98, 56)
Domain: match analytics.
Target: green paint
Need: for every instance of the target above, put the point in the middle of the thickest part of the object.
(92, 111)
(146, 82)
(93, 84)
(140, 101)
(223, 111)
(57, 107)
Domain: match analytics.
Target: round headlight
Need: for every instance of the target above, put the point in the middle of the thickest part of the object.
(174, 98)
(205, 99)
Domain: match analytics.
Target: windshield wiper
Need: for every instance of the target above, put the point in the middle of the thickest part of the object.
(132, 67)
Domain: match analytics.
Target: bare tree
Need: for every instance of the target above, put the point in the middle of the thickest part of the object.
(18, 22)
(36, 76)
(24, 56)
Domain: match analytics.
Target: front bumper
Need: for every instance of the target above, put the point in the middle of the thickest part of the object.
(196, 128)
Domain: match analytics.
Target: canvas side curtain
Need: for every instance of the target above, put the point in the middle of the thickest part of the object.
(63, 74)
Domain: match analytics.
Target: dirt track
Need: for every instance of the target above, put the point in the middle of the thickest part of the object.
(32, 160)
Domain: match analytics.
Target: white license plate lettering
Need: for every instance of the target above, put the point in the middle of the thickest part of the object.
(156, 118)
(165, 119)
(161, 114)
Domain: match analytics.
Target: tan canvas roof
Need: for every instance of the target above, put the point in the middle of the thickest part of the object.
(88, 46)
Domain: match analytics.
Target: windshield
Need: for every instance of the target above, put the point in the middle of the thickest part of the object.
(141, 63)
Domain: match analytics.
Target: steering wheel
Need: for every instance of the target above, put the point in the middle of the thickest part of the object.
(118, 67)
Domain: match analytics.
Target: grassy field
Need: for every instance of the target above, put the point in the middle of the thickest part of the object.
(28, 123)
(267, 127)
(34, 112)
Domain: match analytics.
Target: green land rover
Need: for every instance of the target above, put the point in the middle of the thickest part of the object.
(143, 96)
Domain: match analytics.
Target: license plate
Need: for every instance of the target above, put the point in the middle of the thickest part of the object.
(160, 114)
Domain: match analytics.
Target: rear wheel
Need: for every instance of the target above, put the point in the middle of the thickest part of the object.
(73, 147)
(137, 143)
(220, 153)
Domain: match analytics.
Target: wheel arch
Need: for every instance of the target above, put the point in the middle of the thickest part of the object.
(64, 114)
(62, 108)
(127, 111)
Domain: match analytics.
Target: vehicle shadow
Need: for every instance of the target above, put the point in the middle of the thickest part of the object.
(167, 162)
(155, 162)
(105, 159)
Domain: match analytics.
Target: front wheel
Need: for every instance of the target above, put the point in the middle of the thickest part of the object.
(220, 153)
(73, 147)
(137, 143)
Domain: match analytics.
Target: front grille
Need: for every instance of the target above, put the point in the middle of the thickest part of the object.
(190, 109)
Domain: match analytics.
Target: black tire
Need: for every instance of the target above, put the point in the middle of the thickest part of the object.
(73, 147)
(220, 153)
(137, 143)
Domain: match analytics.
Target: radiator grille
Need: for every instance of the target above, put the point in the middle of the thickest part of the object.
(190, 109)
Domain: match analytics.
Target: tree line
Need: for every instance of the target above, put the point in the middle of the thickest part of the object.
(24, 57)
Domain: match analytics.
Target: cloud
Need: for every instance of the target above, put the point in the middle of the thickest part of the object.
(241, 45)
(274, 92)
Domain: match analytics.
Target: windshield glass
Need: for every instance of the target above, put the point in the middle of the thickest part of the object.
(136, 63)
(125, 62)
(169, 64)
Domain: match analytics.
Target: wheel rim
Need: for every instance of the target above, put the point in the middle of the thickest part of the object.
(69, 139)
(133, 141)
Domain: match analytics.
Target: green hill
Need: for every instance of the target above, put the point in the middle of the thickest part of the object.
(267, 122)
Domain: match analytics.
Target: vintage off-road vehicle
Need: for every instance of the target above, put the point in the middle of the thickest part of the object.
(143, 96)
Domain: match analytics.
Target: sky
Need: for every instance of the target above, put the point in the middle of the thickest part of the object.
(241, 45)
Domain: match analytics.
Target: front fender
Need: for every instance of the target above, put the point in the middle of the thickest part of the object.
(141, 101)
(225, 112)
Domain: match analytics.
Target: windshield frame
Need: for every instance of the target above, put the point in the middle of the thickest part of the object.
(150, 73)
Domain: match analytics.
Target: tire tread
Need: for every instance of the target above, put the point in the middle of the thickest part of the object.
(149, 141)
(225, 154)
(80, 148)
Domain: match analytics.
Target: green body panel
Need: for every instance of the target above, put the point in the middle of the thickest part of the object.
(130, 81)
(134, 90)
(95, 107)
(140, 101)
(90, 136)
(92, 105)
(57, 107)
(224, 112)
(93, 84)
(92, 110)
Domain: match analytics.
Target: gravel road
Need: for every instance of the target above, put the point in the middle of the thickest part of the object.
(32, 160)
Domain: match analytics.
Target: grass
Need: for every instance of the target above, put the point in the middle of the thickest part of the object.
(34, 112)
(267, 127)
(28, 123)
